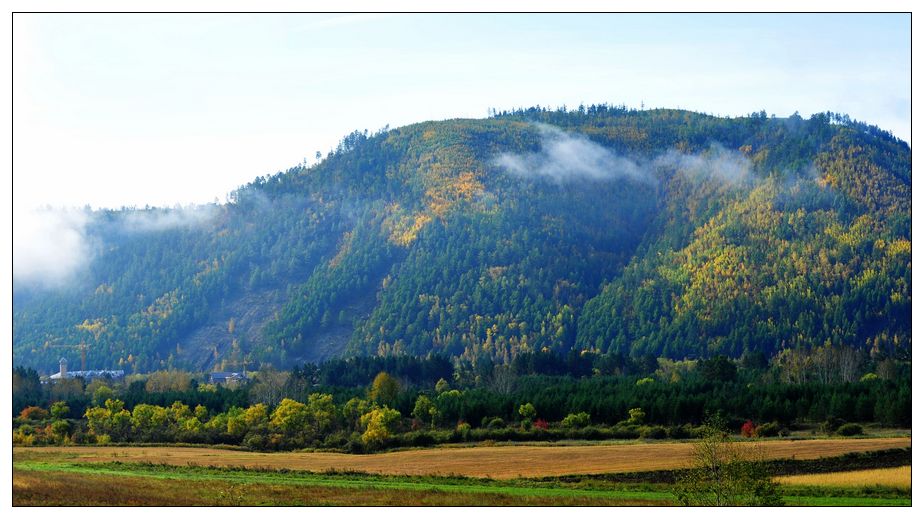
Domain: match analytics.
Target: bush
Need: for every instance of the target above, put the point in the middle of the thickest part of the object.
(625, 433)
(255, 442)
(831, 425)
(869, 377)
(636, 416)
(574, 421)
(655, 432)
(768, 430)
(748, 430)
(679, 432)
(849, 429)
(421, 439)
(495, 423)
(33, 413)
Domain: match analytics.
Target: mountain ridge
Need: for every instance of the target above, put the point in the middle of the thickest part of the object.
(602, 230)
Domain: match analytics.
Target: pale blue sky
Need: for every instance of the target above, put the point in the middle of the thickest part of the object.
(115, 110)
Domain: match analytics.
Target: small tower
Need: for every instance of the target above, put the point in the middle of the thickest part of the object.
(63, 365)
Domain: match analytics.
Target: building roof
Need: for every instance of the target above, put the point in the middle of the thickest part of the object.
(227, 375)
(94, 373)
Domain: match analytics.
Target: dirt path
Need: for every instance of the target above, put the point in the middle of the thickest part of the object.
(495, 462)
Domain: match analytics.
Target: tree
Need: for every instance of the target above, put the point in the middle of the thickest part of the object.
(162, 381)
(384, 389)
(442, 386)
(321, 411)
(528, 412)
(424, 410)
(27, 388)
(60, 429)
(636, 416)
(378, 424)
(724, 473)
(353, 411)
(60, 410)
(33, 413)
(290, 417)
(101, 394)
(718, 369)
(269, 387)
(576, 420)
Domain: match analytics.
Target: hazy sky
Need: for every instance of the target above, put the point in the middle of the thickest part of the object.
(123, 109)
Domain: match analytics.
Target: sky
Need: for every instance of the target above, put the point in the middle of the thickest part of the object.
(165, 109)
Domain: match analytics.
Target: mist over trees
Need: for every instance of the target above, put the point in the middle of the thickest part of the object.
(535, 239)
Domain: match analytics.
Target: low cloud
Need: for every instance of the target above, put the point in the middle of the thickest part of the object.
(565, 157)
(50, 246)
(716, 163)
(152, 220)
(53, 247)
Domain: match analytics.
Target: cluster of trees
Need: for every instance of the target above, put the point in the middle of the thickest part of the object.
(285, 410)
(810, 248)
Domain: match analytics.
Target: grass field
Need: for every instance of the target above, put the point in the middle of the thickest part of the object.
(897, 477)
(101, 486)
(46, 483)
(170, 476)
(497, 462)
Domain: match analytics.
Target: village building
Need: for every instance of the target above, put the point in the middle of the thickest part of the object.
(227, 377)
(87, 375)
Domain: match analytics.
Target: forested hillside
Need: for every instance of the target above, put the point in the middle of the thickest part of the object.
(599, 231)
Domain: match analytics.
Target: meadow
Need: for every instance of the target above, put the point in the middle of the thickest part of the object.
(893, 477)
(477, 475)
(498, 461)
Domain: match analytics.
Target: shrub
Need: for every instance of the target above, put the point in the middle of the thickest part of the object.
(61, 428)
(679, 432)
(23, 436)
(748, 429)
(82, 436)
(255, 442)
(527, 411)
(541, 424)
(869, 377)
(60, 410)
(421, 439)
(849, 429)
(625, 433)
(465, 429)
(655, 432)
(495, 423)
(33, 413)
(636, 416)
(574, 421)
(831, 425)
(768, 430)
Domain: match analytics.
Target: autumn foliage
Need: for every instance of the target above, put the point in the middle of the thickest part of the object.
(748, 430)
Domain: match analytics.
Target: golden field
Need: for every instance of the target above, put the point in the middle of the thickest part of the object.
(498, 462)
(898, 477)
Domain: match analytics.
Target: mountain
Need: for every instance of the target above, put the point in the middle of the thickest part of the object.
(605, 230)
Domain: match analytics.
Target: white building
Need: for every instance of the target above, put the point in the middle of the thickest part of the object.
(88, 375)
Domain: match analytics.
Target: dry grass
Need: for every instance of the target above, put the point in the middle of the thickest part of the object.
(898, 477)
(499, 462)
(64, 489)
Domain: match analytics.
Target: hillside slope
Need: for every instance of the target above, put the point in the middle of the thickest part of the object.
(659, 232)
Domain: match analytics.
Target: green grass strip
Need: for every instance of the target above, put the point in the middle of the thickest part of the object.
(337, 481)
(412, 483)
